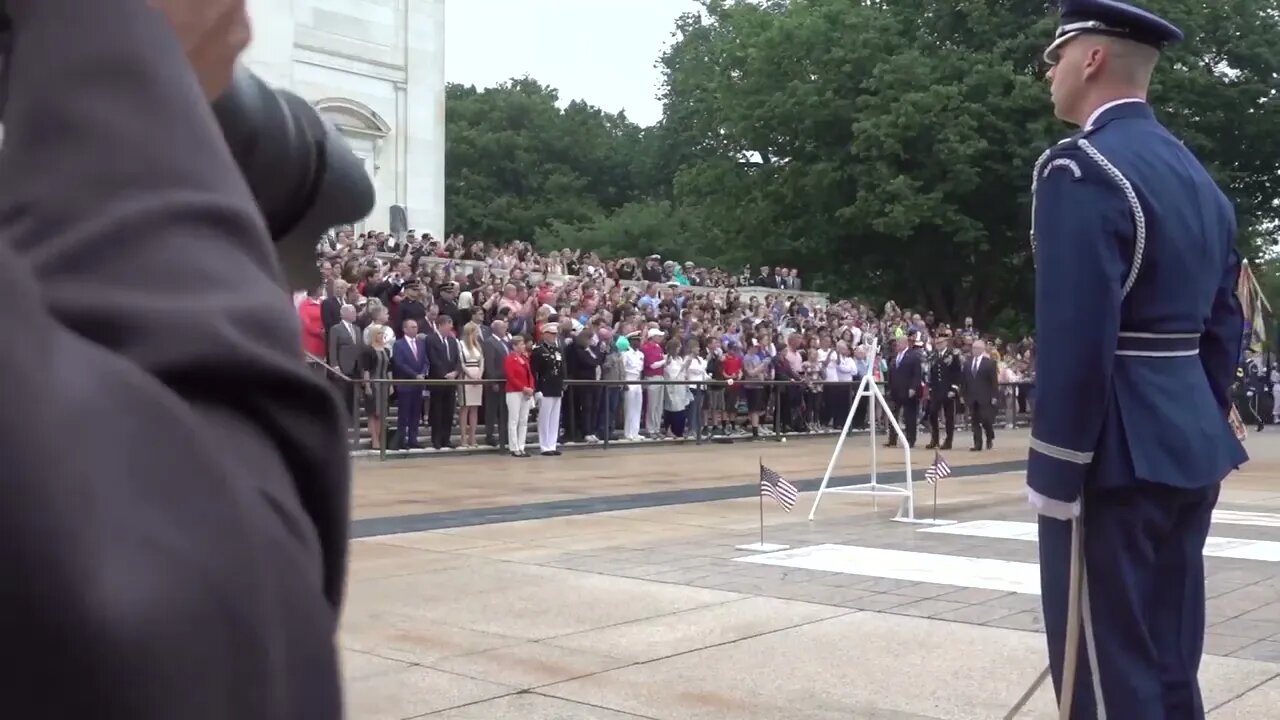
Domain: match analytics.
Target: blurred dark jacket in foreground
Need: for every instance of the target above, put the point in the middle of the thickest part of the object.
(175, 507)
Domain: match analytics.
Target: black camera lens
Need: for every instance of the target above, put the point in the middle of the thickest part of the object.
(303, 175)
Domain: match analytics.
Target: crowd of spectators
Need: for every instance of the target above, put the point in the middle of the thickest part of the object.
(613, 320)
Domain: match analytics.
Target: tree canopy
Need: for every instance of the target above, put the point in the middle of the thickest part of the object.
(885, 148)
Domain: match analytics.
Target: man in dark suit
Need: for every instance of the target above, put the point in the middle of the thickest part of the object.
(409, 361)
(346, 341)
(188, 559)
(906, 374)
(445, 356)
(335, 296)
(496, 347)
(981, 385)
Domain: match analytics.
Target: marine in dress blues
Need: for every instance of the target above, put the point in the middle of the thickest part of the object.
(1138, 333)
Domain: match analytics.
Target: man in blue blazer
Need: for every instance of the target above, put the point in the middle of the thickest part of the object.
(409, 362)
(1138, 336)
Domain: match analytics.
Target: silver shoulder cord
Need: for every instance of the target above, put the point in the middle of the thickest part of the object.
(1135, 207)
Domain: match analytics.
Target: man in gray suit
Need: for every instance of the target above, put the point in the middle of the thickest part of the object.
(174, 525)
(345, 343)
(496, 347)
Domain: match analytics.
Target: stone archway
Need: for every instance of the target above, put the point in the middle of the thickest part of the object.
(364, 130)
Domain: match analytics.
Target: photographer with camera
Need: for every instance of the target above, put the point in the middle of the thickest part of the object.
(176, 484)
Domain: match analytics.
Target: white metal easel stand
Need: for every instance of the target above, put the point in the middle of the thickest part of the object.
(869, 391)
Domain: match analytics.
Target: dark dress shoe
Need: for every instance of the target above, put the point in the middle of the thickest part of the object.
(931, 446)
(975, 449)
(946, 445)
(550, 453)
(990, 444)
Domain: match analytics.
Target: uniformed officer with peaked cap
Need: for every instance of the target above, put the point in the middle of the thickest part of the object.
(1138, 335)
(944, 380)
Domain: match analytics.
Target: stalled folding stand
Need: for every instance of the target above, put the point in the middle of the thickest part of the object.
(869, 391)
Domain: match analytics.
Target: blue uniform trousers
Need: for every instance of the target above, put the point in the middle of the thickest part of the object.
(1144, 614)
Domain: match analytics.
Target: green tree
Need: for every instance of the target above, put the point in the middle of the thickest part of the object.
(886, 147)
(517, 163)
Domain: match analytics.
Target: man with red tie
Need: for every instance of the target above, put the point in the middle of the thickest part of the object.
(409, 362)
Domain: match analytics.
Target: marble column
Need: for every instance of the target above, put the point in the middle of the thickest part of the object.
(424, 133)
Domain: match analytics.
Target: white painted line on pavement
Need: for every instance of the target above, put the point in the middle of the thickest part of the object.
(965, 572)
(1261, 550)
(1237, 517)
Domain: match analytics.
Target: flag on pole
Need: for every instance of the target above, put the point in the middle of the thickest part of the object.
(1254, 304)
(938, 470)
(775, 486)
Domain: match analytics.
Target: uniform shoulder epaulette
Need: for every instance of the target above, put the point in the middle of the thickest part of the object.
(1056, 158)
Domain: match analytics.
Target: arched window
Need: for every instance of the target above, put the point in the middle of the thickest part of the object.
(363, 129)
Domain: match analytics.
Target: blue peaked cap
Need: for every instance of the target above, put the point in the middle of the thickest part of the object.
(1110, 17)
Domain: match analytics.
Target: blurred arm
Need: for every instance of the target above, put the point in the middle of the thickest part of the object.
(1223, 336)
(186, 559)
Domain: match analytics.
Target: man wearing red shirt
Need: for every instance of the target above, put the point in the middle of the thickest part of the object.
(655, 359)
(311, 319)
(731, 369)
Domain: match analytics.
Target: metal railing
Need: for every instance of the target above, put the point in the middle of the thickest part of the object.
(784, 399)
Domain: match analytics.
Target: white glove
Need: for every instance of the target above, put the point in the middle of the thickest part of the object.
(537, 398)
(1055, 509)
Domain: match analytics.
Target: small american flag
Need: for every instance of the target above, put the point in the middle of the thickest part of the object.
(775, 486)
(938, 470)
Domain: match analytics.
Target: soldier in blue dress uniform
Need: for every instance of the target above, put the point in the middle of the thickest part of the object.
(1138, 336)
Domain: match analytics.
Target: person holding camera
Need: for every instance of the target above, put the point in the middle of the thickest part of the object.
(176, 513)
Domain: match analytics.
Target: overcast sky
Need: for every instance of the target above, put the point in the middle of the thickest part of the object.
(600, 51)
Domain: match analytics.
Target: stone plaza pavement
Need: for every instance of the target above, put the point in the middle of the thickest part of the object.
(611, 588)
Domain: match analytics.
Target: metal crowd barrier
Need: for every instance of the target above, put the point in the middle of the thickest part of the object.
(1016, 400)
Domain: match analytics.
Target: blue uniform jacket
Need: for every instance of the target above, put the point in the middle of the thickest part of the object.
(1138, 327)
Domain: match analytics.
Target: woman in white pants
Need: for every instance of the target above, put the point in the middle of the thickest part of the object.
(633, 396)
(519, 396)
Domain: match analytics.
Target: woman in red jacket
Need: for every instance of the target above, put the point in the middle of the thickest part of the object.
(519, 396)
